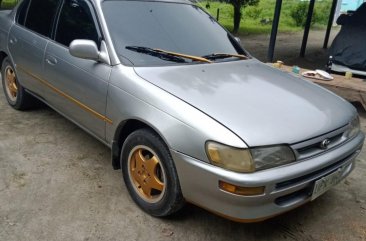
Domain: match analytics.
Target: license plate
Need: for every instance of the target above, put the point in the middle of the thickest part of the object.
(325, 183)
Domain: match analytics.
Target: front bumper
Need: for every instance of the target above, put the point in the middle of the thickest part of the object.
(286, 187)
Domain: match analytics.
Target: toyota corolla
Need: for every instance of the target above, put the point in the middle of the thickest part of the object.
(189, 115)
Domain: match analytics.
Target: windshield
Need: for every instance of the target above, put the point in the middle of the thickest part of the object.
(139, 28)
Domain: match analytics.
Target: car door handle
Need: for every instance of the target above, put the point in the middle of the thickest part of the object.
(51, 60)
(13, 40)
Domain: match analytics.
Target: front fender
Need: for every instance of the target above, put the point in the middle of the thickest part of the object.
(183, 127)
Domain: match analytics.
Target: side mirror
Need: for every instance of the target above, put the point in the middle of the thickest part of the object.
(84, 49)
(87, 49)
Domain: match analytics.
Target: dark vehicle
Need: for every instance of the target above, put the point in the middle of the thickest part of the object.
(348, 52)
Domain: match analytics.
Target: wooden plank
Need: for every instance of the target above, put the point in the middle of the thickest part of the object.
(353, 89)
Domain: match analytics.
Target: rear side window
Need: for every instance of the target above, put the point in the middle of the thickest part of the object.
(76, 22)
(41, 14)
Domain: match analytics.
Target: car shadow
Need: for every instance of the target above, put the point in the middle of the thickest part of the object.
(292, 225)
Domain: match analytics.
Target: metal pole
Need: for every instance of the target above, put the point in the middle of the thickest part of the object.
(276, 20)
(307, 28)
(330, 23)
(218, 14)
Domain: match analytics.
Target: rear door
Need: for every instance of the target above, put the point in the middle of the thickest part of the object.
(28, 40)
(79, 86)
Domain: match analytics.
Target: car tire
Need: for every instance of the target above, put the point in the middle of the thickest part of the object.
(15, 94)
(150, 175)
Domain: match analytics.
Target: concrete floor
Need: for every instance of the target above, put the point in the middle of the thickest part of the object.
(57, 183)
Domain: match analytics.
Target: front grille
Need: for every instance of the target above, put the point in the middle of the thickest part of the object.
(312, 147)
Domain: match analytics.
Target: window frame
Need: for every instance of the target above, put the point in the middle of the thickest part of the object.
(94, 17)
(27, 3)
(22, 5)
(55, 22)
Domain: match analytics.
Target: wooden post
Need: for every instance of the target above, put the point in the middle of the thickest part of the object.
(307, 28)
(330, 23)
(276, 20)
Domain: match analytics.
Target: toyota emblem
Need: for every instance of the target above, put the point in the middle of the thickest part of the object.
(324, 144)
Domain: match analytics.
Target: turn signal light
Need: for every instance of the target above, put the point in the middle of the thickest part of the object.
(244, 191)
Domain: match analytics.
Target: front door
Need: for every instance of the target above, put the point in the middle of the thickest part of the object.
(79, 87)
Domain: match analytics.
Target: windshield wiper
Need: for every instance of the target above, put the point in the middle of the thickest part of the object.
(224, 56)
(167, 55)
(155, 53)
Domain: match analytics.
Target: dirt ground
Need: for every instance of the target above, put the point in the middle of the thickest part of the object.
(288, 48)
(57, 183)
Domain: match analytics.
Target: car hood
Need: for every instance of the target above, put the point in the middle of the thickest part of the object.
(260, 104)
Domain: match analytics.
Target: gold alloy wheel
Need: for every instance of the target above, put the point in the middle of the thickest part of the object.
(11, 85)
(146, 174)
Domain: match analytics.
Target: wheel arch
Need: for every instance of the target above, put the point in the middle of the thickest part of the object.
(3, 55)
(124, 129)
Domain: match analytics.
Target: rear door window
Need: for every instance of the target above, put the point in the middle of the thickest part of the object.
(40, 16)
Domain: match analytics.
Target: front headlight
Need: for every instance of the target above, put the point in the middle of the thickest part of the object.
(268, 157)
(248, 160)
(354, 128)
(234, 159)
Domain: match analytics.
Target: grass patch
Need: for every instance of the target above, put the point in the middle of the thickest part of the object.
(258, 19)
(8, 4)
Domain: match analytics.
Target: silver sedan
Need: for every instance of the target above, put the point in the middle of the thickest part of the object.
(188, 114)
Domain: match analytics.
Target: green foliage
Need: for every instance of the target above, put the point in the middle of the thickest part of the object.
(323, 13)
(238, 6)
(243, 3)
(252, 24)
(299, 14)
(8, 4)
(253, 12)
